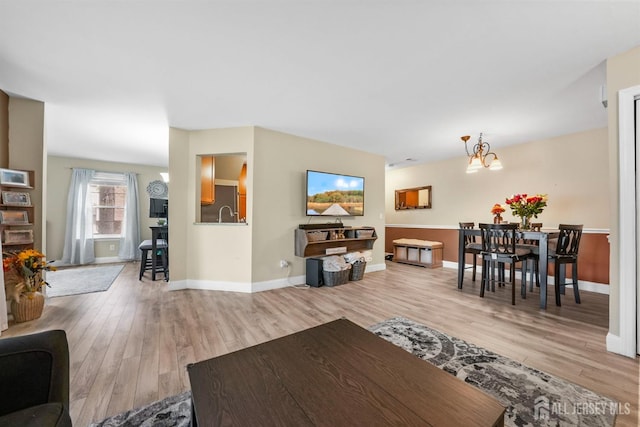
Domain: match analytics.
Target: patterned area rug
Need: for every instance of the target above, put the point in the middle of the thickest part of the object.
(532, 397)
(81, 280)
(174, 411)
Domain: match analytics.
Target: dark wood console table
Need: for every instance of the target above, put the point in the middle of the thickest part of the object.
(336, 374)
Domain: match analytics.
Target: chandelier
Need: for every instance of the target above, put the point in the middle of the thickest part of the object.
(481, 156)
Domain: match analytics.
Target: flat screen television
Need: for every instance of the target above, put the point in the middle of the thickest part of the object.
(331, 194)
(158, 208)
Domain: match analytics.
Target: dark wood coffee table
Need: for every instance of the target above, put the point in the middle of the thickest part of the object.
(336, 374)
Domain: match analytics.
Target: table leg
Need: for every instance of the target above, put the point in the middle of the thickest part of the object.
(461, 259)
(544, 261)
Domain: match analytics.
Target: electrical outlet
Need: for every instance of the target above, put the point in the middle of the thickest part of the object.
(284, 263)
(112, 247)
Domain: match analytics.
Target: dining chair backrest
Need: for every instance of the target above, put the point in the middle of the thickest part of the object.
(468, 226)
(498, 238)
(569, 240)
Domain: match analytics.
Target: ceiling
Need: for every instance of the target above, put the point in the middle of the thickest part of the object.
(404, 79)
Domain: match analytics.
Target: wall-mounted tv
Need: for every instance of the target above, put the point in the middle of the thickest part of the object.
(330, 194)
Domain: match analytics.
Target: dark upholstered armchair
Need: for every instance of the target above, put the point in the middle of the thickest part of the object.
(34, 373)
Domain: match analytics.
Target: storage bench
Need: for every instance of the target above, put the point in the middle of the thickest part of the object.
(424, 253)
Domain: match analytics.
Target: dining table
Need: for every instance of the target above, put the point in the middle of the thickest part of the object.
(542, 237)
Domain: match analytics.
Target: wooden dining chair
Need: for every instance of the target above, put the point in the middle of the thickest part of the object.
(566, 252)
(471, 246)
(499, 246)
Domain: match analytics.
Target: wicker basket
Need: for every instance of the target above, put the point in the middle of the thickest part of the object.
(334, 278)
(316, 236)
(357, 270)
(28, 307)
(364, 234)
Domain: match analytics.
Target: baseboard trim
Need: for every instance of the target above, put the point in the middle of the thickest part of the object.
(245, 287)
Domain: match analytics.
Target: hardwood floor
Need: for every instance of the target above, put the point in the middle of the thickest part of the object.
(130, 345)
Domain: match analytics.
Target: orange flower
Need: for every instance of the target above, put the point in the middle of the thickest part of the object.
(497, 209)
(28, 264)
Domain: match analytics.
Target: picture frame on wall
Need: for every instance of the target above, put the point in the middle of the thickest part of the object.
(17, 236)
(16, 198)
(14, 178)
(14, 217)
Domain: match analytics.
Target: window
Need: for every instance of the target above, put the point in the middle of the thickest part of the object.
(108, 198)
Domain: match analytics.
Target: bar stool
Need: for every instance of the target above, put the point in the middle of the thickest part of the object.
(161, 259)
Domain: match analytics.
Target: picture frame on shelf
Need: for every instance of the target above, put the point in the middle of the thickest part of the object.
(14, 217)
(17, 236)
(16, 198)
(14, 178)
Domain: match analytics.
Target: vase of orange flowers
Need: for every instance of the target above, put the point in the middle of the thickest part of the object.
(525, 207)
(496, 211)
(26, 267)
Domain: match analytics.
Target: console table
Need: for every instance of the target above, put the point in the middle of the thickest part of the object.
(336, 374)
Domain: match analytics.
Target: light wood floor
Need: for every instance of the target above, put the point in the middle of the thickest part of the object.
(130, 345)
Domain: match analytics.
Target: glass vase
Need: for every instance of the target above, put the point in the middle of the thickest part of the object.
(525, 223)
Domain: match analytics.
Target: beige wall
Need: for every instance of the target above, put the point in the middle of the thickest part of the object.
(279, 199)
(59, 178)
(246, 257)
(571, 169)
(206, 252)
(623, 71)
(27, 145)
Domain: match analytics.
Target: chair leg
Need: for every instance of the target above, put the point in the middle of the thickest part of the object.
(556, 273)
(485, 277)
(512, 274)
(574, 278)
(143, 261)
(563, 276)
(475, 263)
(523, 280)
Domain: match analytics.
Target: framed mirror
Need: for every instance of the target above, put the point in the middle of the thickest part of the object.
(414, 198)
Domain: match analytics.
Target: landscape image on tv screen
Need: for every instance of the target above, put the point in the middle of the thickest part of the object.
(330, 194)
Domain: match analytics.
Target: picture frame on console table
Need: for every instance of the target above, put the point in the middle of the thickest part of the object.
(16, 198)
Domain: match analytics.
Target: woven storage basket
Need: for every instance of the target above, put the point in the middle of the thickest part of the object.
(316, 236)
(357, 270)
(333, 278)
(29, 307)
(363, 234)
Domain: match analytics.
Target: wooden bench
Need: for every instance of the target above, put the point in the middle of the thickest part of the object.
(424, 253)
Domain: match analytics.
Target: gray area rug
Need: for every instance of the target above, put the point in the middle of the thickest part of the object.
(81, 280)
(532, 397)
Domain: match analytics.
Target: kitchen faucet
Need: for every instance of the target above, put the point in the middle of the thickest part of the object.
(220, 212)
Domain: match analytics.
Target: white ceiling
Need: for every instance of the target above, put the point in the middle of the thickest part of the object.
(404, 79)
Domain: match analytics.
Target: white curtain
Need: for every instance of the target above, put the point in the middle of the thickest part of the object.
(78, 238)
(130, 237)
